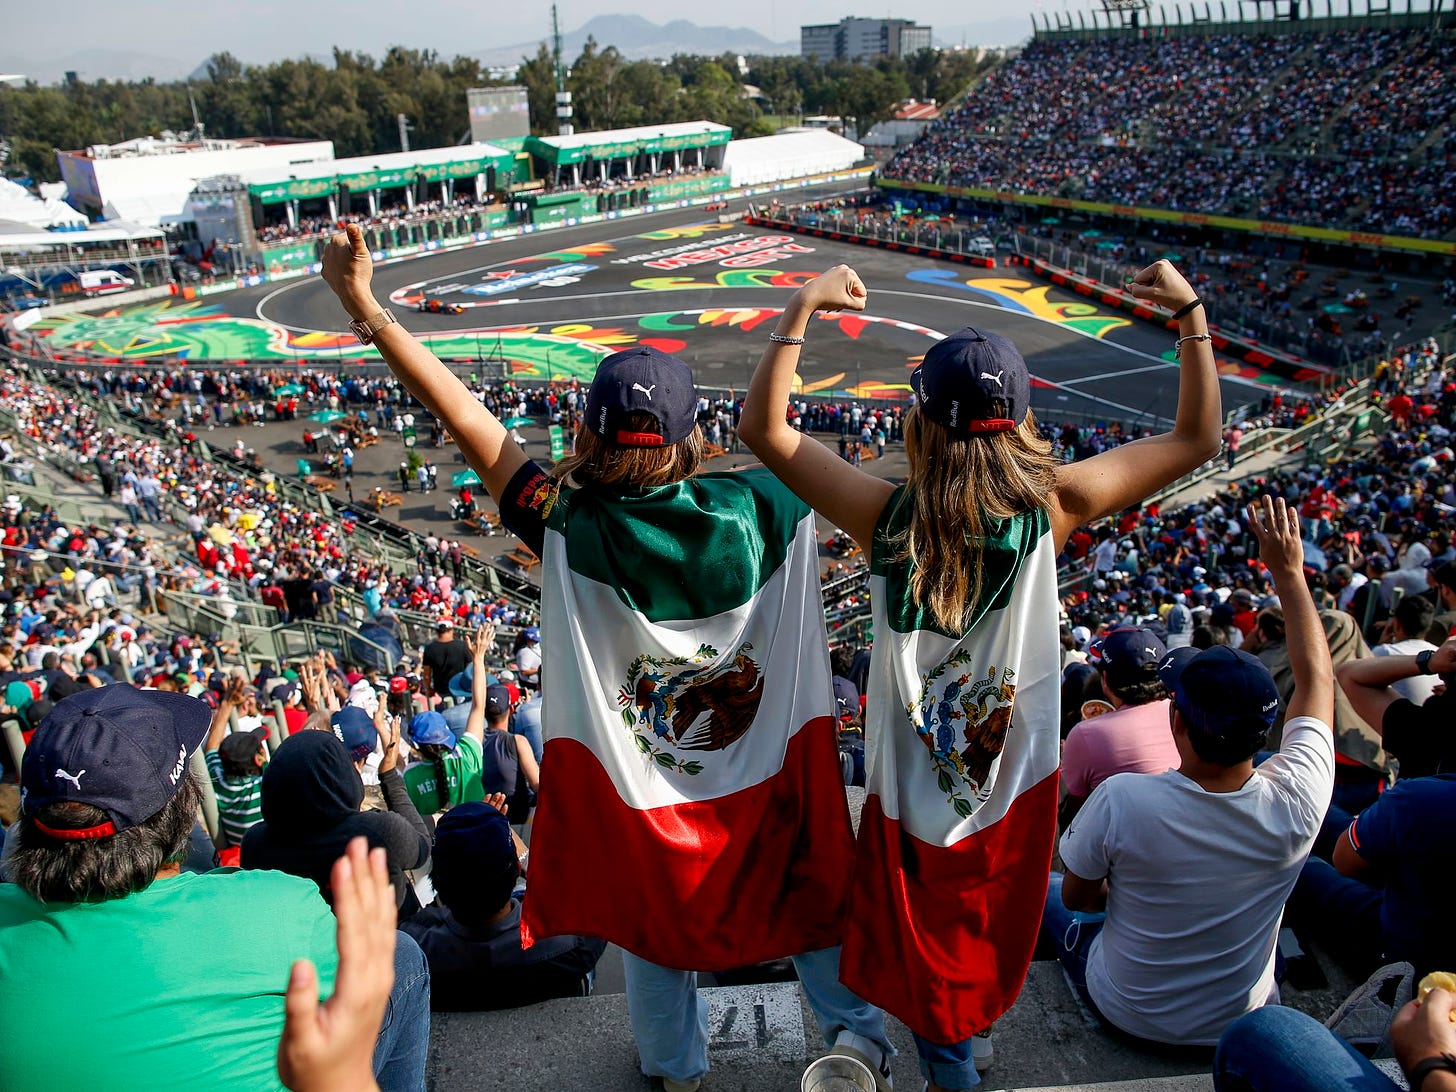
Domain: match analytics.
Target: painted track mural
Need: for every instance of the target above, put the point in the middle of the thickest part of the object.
(707, 291)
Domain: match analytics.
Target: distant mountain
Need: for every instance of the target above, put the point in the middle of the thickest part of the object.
(638, 39)
(96, 64)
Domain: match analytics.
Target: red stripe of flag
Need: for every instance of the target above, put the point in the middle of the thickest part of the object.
(942, 936)
(755, 875)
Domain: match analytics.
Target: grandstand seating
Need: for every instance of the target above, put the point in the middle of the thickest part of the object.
(1350, 129)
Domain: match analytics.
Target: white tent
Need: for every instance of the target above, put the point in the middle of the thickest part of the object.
(19, 204)
(759, 160)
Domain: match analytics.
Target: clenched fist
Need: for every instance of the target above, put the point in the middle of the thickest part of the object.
(348, 270)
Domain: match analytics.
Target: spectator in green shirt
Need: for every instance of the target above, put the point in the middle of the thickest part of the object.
(100, 914)
(448, 769)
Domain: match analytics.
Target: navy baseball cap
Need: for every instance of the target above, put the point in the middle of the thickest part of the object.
(646, 380)
(116, 748)
(430, 727)
(242, 747)
(846, 698)
(474, 839)
(497, 701)
(973, 382)
(1126, 650)
(1223, 692)
(356, 728)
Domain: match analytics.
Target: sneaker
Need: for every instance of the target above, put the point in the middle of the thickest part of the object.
(982, 1052)
(868, 1053)
(670, 1085)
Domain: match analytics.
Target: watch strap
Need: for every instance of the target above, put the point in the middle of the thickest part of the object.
(1423, 661)
(365, 329)
(1423, 1069)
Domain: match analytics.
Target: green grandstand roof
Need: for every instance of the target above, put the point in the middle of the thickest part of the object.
(624, 143)
(361, 174)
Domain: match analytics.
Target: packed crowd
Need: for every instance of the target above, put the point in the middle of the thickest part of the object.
(1267, 289)
(1214, 668)
(1303, 128)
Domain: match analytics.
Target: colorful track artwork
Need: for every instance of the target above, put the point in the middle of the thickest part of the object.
(200, 332)
(1028, 298)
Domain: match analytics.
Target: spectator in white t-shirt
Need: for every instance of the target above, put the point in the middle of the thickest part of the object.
(1405, 635)
(1194, 865)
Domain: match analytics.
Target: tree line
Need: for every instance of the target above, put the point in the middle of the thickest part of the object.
(355, 100)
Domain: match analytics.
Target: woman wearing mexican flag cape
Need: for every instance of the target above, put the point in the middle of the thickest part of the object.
(691, 808)
(955, 842)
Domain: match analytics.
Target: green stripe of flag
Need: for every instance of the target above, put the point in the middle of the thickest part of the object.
(690, 550)
(1005, 551)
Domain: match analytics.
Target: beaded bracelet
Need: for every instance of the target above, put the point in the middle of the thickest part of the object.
(784, 339)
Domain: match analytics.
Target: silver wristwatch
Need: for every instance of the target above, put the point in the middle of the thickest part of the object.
(365, 329)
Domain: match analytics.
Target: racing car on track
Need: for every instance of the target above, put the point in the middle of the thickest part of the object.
(439, 307)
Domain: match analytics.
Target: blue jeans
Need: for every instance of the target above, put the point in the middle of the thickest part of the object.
(670, 1017)
(1071, 933)
(947, 1065)
(1275, 1049)
(1341, 913)
(404, 1038)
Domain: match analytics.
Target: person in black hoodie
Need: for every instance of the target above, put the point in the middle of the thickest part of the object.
(311, 797)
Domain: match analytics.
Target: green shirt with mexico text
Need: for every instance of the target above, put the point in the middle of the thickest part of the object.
(462, 768)
(178, 986)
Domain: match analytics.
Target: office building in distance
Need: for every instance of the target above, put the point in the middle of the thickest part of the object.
(855, 39)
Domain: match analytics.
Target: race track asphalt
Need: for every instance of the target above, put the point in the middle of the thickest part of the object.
(548, 305)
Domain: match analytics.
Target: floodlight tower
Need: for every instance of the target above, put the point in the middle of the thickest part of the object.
(1128, 11)
(563, 96)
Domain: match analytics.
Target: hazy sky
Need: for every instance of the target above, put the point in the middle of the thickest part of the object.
(258, 30)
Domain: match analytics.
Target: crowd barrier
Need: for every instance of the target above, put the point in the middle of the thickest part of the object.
(1250, 352)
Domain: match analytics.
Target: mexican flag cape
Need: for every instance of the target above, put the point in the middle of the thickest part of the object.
(955, 842)
(691, 806)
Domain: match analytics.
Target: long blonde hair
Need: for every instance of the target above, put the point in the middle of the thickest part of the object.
(957, 486)
(598, 462)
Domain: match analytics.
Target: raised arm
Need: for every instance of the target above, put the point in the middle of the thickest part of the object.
(1367, 682)
(1123, 476)
(843, 494)
(482, 439)
(479, 643)
(1276, 526)
(229, 701)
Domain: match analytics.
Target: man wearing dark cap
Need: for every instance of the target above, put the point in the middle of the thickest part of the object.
(100, 916)
(1134, 737)
(471, 936)
(508, 764)
(1193, 866)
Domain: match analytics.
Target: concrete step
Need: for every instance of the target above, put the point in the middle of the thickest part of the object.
(1199, 1083)
(764, 1035)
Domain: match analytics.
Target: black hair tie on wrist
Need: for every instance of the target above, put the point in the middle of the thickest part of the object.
(1187, 308)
